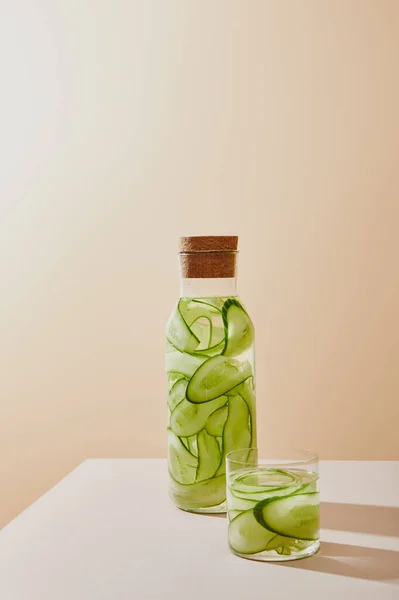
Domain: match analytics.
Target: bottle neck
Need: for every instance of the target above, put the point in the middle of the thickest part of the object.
(208, 288)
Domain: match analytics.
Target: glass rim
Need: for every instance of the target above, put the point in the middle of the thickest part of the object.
(306, 457)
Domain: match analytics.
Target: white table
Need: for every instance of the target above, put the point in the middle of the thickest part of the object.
(108, 531)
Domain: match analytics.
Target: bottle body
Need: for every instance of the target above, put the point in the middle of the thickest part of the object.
(210, 376)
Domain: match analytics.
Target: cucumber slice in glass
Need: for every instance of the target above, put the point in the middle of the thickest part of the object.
(184, 441)
(192, 310)
(266, 495)
(295, 516)
(179, 334)
(187, 419)
(172, 377)
(247, 391)
(246, 535)
(240, 331)
(237, 503)
(182, 464)
(215, 377)
(185, 364)
(269, 479)
(237, 432)
(216, 342)
(193, 445)
(207, 493)
(216, 421)
(177, 393)
(202, 328)
(286, 546)
(208, 455)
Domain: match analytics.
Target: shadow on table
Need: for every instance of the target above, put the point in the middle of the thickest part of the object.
(378, 520)
(351, 561)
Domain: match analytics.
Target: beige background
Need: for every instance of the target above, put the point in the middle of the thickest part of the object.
(124, 124)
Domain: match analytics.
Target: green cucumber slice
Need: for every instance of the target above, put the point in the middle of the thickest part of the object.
(185, 364)
(184, 441)
(172, 377)
(208, 455)
(210, 492)
(179, 334)
(276, 493)
(202, 328)
(232, 514)
(216, 343)
(247, 391)
(295, 516)
(212, 351)
(192, 445)
(240, 331)
(187, 419)
(215, 377)
(236, 433)
(246, 535)
(182, 464)
(286, 546)
(192, 310)
(237, 503)
(216, 421)
(260, 480)
(177, 393)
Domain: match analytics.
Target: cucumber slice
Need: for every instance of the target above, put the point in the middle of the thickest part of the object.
(232, 514)
(240, 331)
(185, 364)
(295, 516)
(182, 464)
(216, 344)
(172, 377)
(192, 310)
(236, 433)
(210, 492)
(237, 503)
(208, 456)
(265, 495)
(216, 421)
(247, 391)
(260, 480)
(246, 535)
(192, 445)
(215, 377)
(177, 393)
(286, 546)
(212, 351)
(184, 441)
(169, 347)
(187, 419)
(179, 334)
(202, 328)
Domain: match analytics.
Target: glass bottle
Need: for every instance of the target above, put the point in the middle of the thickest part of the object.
(210, 374)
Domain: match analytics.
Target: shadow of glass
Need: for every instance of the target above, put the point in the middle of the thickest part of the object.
(351, 561)
(204, 514)
(377, 520)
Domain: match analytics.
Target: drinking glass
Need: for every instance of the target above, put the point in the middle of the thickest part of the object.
(273, 504)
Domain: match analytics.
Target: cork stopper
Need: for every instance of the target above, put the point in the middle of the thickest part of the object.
(208, 256)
